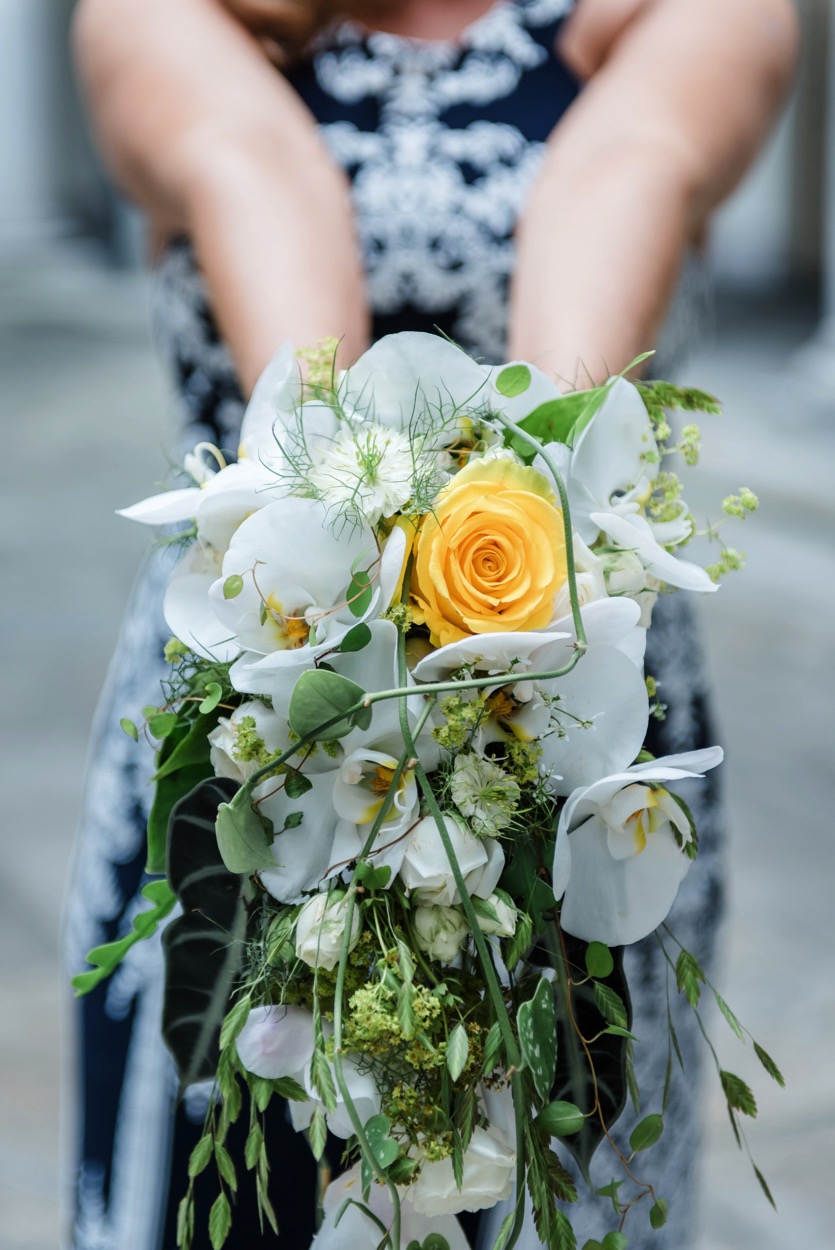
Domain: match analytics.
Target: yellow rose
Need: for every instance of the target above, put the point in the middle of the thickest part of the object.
(490, 557)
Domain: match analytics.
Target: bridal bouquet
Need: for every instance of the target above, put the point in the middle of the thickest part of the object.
(404, 818)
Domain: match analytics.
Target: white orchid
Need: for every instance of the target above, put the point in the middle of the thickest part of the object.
(620, 852)
(293, 575)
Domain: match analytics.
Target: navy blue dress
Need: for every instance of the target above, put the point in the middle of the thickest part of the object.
(442, 142)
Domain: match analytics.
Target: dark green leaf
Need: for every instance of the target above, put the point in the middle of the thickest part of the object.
(492, 1048)
(220, 1221)
(204, 946)
(243, 836)
(658, 1213)
(129, 728)
(384, 1148)
(360, 593)
(214, 694)
(617, 1031)
(435, 1242)
(575, 1081)
(200, 1155)
(615, 1241)
(561, 1119)
(513, 380)
(562, 420)
(296, 785)
(287, 1088)
(646, 1133)
(185, 1221)
(737, 1094)
(689, 977)
(537, 1025)
(769, 1065)
(293, 820)
(610, 1005)
(107, 957)
(320, 698)
(183, 761)
(518, 946)
(599, 961)
(163, 724)
(356, 638)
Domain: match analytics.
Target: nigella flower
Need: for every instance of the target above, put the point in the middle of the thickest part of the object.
(367, 469)
(484, 793)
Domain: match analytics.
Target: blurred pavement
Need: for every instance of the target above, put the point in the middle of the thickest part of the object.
(83, 409)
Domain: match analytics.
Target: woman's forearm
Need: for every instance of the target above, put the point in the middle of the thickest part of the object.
(210, 140)
(669, 122)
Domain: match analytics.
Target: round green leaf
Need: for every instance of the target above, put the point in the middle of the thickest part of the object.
(658, 1214)
(320, 697)
(561, 1119)
(356, 638)
(646, 1133)
(162, 724)
(129, 728)
(213, 697)
(513, 380)
(599, 961)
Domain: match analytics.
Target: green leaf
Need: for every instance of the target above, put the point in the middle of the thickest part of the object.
(599, 961)
(262, 1091)
(296, 785)
(183, 761)
(252, 1149)
(220, 1221)
(764, 1185)
(562, 420)
(646, 1133)
(537, 1025)
(225, 1166)
(214, 694)
(406, 1010)
(243, 837)
(518, 946)
(435, 1242)
(204, 946)
(689, 976)
(200, 1156)
(457, 1051)
(729, 1016)
(164, 723)
(107, 957)
(615, 1030)
(384, 1148)
(360, 593)
(317, 1134)
(615, 1241)
(233, 586)
(287, 1088)
(610, 1005)
(737, 1094)
(185, 1221)
(319, 698)
(356, 639)
(492, 1048)
(561, 1119)
(370, 877)
(769, 1065)
(658, 1213)
(129, 728)
(235, 1021)
(513, 380)
(321, 1078)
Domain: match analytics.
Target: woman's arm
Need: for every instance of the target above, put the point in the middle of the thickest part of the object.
(209, 139)
(682, 95)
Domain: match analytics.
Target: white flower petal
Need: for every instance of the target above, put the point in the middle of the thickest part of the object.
(276, 1042)
(635, 534)
(164, 509)
(607, 454)
(188, 610)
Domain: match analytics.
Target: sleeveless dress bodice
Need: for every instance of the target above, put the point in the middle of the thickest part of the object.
(441, 142)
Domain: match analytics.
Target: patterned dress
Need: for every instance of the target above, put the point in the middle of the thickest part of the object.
(442, 141)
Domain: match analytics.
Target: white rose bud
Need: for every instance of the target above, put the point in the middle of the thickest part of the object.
(440, 932)
(495, 917)
(489, 1167)
(320, 929)
(625, 574)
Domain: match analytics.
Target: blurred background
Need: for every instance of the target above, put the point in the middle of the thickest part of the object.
(84, 407)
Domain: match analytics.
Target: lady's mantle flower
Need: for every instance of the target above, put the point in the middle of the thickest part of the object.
(484, 793)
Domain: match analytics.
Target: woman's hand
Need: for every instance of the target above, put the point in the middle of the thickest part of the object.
(208, 138)
(681, 95)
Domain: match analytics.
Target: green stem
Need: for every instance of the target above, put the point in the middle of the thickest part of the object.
(537, 446)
